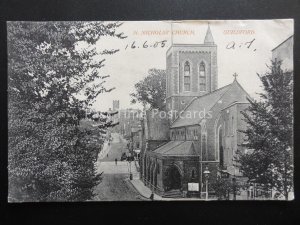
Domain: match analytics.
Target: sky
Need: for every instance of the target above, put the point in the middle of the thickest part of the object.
(232, 37)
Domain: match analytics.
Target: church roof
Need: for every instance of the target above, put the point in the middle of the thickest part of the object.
(208, 37)
(205, 103)
(177, 148)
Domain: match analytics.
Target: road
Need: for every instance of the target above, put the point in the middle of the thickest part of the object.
(114, 150)
(115, 185)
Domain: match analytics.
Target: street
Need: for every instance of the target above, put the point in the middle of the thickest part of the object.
(115, 185)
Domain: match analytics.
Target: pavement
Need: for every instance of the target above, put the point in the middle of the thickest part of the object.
(144, 190)
(104, 151)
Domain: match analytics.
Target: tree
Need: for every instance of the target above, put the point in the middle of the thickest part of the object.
(53, 77)
(269, 135)
(222, 188)
(151, 91)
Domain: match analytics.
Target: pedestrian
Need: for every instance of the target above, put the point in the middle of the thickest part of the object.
(106, 155)
(116, 161)
(152, 196)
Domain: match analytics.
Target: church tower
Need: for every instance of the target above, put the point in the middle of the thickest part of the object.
(191, 72)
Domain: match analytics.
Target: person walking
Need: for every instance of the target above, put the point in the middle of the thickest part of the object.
(116, 161)
(152, 196)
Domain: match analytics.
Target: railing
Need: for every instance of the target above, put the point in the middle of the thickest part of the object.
(256, 191)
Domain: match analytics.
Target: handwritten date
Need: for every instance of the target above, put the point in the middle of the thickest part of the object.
(145, 44)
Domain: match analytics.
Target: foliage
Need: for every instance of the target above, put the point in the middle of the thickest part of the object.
(51, 64)
(151, 91)
(269, 135)
(224, 186)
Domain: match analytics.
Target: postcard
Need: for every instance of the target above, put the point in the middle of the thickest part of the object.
(198, 110)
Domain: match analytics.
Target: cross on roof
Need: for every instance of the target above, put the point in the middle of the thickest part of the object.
(235, 75)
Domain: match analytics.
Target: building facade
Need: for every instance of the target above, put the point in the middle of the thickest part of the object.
(284, 52)
(202, 132)
(191, 72)
(128, 119)
(116, 105)
(136, 141)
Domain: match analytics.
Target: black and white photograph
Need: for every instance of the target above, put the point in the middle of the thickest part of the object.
(169, 110)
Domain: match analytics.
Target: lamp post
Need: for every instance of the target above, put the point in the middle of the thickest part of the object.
(234, 187)
(129, 160)
(206, 174)
(130, 174)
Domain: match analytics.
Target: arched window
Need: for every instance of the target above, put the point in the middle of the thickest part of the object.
(148, 170)
(145, 167)
(187, 76)
(203, 143)
(204, 140)
(193, 174)
(228, 126)
(220, 146)
(202, 77)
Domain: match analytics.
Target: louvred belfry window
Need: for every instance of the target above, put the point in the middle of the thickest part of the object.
(187, 76)
(202, 77)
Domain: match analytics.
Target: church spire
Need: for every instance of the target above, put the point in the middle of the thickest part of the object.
(208, 37)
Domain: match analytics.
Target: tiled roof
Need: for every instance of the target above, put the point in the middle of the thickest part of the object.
(199, 104)
(177, 148)
(191, 115)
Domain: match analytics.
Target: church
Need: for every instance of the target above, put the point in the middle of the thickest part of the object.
(202, 134)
